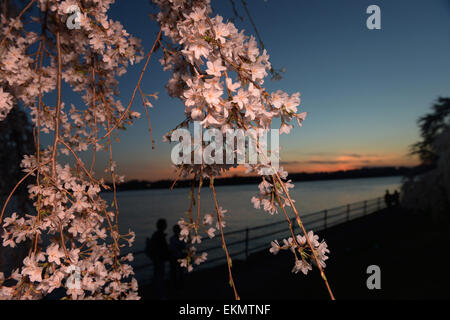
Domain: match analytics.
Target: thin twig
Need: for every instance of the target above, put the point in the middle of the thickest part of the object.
(58, 105)
(224, 245)
(297, 217)
(56, 138)
(148, 117)
(176, 180)
(149, 55)
(15, 188)
(253, 23)
(81, 164)
(300, 224)
(17, 19)
(200, 183)
(94, 111)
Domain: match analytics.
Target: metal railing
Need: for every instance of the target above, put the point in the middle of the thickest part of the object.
(243, 242)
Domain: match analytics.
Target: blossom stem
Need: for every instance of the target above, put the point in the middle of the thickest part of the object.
(148, 117)
(149, 55)
(200, 183)
(224, 245)
(15, 188)
(94, 111)
(82, 166)
(300, 224)
(58, 105)
(286, 215)
(17, 19)
(39, 58)
(298, 220)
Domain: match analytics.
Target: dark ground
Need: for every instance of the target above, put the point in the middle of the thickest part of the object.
(411, 251)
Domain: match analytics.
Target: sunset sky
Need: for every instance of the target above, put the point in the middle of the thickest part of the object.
(363, 89)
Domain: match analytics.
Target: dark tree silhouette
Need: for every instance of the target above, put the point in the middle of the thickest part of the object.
(430, 192)
(431, 126)
(16, 140)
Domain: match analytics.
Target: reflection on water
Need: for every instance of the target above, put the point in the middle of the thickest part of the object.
(139, 210)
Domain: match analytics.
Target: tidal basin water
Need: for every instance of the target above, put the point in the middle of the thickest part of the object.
(139, 210)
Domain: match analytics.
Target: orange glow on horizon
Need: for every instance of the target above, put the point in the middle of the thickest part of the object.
(311, 164)
(326, 162)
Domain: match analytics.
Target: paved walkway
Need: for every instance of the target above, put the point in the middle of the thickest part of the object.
(411, 252)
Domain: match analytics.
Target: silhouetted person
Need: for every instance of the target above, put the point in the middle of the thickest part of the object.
(396, 198)
(177, 250)
(388, 199)
(158, 251)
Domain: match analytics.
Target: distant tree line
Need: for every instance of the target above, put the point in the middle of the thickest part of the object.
(370, 172)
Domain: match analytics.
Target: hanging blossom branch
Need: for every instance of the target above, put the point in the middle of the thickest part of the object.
(75, 240)
(73, 229)
(202, 55)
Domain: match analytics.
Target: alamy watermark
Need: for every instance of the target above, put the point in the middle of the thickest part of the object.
(374, 20)
(73, 21)
(374, 280)
(73, 281)
(231, 147)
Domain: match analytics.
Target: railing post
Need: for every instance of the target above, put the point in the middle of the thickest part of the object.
(325, 218)
(348, 212)
(365, 207)
(246, 243)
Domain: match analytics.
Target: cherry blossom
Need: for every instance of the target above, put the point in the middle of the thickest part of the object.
(300, 246)
(218, 72)
(72, 226)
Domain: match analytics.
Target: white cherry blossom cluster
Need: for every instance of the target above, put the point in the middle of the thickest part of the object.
(218, 73)
(5, 104)
(207, 223)
(302, 252)
(73, 228)
(191, 234)
(270, 194)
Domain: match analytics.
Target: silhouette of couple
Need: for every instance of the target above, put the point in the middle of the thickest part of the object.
(159, 251)
(392, 200)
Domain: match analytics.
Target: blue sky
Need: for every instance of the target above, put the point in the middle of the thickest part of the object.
(363, 89)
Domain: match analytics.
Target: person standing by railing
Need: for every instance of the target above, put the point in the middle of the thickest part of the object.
(396, 199)
(388, 199)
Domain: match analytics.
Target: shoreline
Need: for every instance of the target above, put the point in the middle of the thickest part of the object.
(364, 173)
